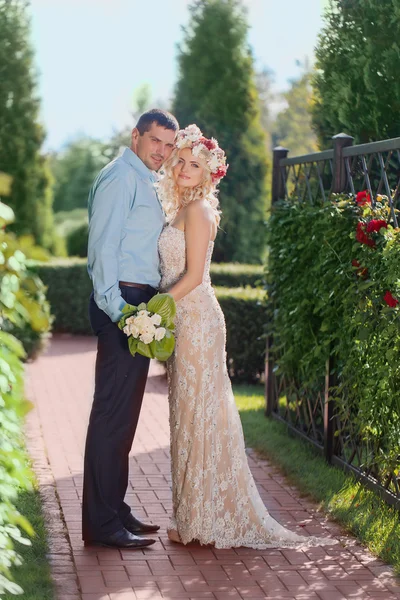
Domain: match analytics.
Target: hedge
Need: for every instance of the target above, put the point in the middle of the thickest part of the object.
(69, 288)
(234, 275)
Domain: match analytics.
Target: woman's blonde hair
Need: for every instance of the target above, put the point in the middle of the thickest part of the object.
(169, 193)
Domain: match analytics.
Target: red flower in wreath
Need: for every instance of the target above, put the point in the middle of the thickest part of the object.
(376, 225)
(390, 300)
(363, 198)
(209, 144)
(362, 237)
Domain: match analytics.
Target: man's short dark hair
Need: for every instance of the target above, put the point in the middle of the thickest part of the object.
(156, 115)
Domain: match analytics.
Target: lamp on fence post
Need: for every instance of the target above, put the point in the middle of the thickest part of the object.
(339, 175)
(278, 192)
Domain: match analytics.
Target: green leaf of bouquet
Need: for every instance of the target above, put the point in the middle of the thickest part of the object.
(164, 305)
(129, 309)
(146, 349)
(142, 306)
(133, 344)
(165, 347)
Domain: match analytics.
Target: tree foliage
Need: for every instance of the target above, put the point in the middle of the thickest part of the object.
(293, 128)
(74, 170)
(357, 87)
(216, 90)
(21, 135)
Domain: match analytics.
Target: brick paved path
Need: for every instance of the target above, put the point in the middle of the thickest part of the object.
(60, 385)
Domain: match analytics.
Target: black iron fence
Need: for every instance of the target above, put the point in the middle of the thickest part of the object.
(310, 413)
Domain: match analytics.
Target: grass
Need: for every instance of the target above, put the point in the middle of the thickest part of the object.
(34, 574)
(359, 510)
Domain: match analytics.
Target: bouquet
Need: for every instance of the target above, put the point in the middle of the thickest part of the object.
(150, 327)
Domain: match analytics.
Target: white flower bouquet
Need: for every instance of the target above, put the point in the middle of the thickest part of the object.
(150, 327)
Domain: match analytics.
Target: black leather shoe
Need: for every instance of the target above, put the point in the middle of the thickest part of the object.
(135, 526)
(121, 539)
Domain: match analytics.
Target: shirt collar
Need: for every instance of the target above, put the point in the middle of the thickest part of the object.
(132, 159)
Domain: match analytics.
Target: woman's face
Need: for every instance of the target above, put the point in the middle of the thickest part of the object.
(189, 170)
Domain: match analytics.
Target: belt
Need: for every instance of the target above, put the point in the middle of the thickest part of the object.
(141, 286)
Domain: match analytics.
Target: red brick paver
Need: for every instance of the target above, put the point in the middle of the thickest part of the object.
(60, 385)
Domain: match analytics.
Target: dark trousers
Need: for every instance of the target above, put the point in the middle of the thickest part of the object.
(120, 380)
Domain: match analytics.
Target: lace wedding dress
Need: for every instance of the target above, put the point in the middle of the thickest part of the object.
(215, 499)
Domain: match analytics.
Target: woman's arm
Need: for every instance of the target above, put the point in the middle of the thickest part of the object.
(198, 230)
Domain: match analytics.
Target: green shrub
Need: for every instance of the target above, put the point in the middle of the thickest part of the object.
(77, 241)
(234, 275)
(31, 320)
(325, 303)
(68, 292)
(244, 311)
(21, 306)
(68, 220)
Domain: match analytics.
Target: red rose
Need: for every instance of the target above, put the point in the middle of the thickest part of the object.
(363, 198)
(376, 225)
(362, 237)
(390, 300)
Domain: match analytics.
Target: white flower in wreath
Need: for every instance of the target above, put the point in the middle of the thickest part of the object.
(213, 163)
(197, 150)
(193, 133)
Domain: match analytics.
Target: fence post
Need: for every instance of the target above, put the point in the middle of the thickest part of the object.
(278, 192)
(278, 189)
(339, 175)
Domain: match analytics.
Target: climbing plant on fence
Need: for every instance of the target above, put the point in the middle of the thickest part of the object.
(334, 289)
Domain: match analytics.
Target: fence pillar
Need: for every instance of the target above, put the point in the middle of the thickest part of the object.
(339, 175)
(278, 189)
(278, 192)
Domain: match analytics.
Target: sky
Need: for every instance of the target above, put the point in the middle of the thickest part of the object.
(92, 54)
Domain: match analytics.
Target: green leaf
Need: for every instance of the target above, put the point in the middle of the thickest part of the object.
(164, 305)
(133, 344)
(129, 309)
(146, 349)
(165, 347)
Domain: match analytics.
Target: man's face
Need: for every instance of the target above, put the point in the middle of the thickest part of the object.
(154, 146)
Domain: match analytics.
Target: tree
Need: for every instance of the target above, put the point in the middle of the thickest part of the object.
(74, 170)
(293, 127)
(264, 82)
(21, 135)
(216, 90)
(357, 88)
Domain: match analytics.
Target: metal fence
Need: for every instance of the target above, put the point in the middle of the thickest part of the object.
(311, 413)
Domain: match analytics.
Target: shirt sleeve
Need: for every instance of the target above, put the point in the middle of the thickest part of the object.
(109, 208)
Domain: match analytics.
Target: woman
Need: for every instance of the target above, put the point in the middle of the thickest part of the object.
(215, 499)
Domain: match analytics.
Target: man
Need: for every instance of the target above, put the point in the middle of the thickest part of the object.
(125, 221)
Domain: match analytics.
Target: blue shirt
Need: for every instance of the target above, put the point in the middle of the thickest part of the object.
(125, 222)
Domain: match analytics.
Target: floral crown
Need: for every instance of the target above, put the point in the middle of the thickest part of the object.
(192, 137)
